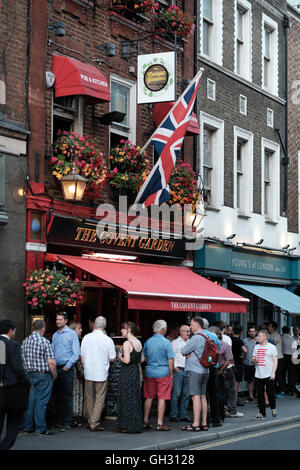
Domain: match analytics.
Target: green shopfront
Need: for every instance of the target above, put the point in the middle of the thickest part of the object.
(270, 279)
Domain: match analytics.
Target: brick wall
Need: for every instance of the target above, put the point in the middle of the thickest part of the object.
(294, 125)
(85, 29)
(228, 89)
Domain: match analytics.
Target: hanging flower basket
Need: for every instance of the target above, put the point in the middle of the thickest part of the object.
(130, 168)
(72, 149)
(183, 185)
(138, 6)
(176, 21)
(52, 287)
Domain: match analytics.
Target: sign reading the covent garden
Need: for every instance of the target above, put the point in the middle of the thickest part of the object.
(88, 234)
(156, 77)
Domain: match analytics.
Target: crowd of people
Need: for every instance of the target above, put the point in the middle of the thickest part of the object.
(68, 376)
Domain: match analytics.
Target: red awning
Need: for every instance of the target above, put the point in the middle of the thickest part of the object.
(160, 110)
(73, 77)
(161, 287)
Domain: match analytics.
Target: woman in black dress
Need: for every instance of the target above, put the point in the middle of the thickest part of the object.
(130, 417)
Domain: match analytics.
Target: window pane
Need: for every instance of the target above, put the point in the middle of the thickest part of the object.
(238, 191)
(240, 25)
(207, 177)
(267, 44)
(239, 157)
(206, 31)
(266, 72)
(120, 100)
(267, 198)
(207, 9)
(207, 147)
(267, 166)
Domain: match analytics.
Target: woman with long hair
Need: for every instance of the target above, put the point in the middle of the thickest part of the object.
(130, 419)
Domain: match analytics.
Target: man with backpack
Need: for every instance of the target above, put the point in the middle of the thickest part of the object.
(197, 375)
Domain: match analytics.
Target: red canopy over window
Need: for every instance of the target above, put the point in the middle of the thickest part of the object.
(161, 287)
(73, 77)
(160, 110)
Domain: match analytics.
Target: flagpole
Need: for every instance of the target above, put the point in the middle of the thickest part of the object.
(187, 88)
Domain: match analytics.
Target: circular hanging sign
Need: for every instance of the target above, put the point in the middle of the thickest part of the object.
(156, 77)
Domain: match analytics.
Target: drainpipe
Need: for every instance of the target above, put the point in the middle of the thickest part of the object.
(285, 161)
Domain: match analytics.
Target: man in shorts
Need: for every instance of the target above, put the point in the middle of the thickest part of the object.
(197, 376)
(158, 379)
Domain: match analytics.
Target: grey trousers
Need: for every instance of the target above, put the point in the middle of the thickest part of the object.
(230, 391)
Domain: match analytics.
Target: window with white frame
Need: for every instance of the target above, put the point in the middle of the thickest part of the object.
(67, 115)
(211, 89)
(243, 105)
(207, 162)
(212, 159)
(243, 171)
(212, 29)
(270, 55)
(270, 180)
(123, 99)
(243, 35)
(270, 117)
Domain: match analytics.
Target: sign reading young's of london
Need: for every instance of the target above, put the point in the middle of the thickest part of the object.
(156, 77)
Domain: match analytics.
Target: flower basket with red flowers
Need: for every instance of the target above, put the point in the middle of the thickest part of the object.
(178, 22)
(130, 168)
(52, 287)
(72, 148)
(183, 185)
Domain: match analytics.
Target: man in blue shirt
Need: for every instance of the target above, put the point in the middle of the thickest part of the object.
(66, 348)
(158, 381)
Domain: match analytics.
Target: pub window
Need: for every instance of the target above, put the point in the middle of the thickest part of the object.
(207, 27)
(243, 39)
(123, 99)
(239, 173)
(267, 183)
(67, 115)
(2, 180)
(270, 55)
(207, 163)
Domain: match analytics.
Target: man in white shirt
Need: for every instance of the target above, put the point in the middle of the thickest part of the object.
(97, 351)
(180, 390)
(265, 358)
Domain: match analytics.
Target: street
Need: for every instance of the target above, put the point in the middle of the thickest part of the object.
(281, 438)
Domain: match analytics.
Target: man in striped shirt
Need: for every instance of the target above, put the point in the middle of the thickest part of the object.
(40, 367)
(265, 357)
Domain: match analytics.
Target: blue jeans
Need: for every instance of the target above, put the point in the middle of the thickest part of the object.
(39, 397)
(179, 391)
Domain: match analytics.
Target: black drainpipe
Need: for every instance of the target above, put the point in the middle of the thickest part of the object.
(285, 161)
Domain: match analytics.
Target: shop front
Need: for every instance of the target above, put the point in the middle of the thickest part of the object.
(135, 277)
(269, 279)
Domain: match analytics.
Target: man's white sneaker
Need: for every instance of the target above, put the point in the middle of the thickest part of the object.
(236, 415)
(274, 413)
(259, 416)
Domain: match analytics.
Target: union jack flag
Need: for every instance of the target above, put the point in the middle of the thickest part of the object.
(167, 141)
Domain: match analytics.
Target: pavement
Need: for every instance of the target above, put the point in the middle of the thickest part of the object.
(110, 439)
